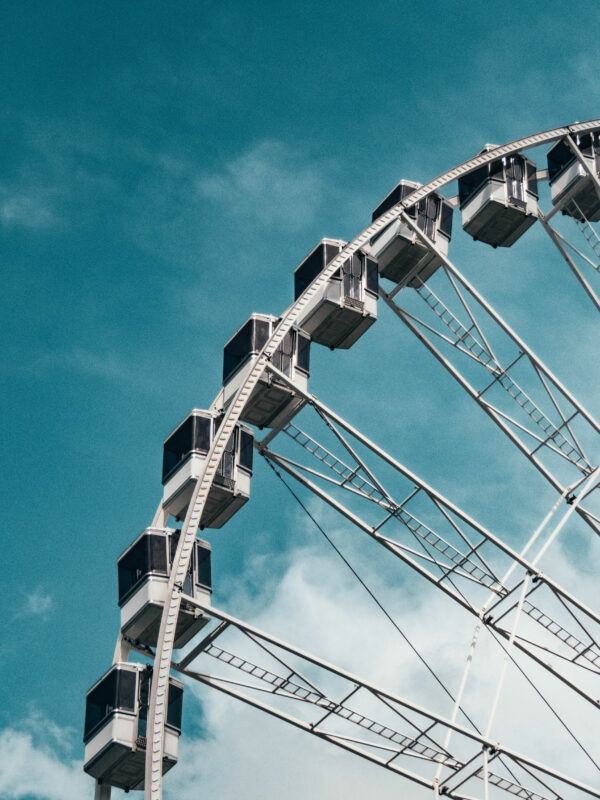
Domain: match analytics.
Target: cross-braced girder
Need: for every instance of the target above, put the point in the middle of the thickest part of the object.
(461, 569)
(516, 389)
(409, 747)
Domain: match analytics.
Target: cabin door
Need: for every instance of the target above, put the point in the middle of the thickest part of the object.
(428, 215)
(227, 462)
(515, 181)
(282, 358)
(352, 273)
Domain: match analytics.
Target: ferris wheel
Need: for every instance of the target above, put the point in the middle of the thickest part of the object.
(266, 408)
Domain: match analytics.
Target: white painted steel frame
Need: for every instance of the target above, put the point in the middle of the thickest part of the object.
(162, 658)
(287, 688)
(502, 420)
(409, 556)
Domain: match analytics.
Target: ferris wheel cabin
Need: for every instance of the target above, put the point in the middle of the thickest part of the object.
(116, 713)
(184, 453)
(272, 402)
(570, 183)
(144, 570)
(499, 200)
(346, 305)
(401, 254)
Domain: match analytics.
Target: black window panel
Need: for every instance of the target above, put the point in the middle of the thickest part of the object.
(315, 263)
(331, 251)
(584, 142)
(249, 339)
(282, 357)
(147, 555)
(303, 351)
(246, 449)
(203, 568)
(173, 542)
(446, 219)
(469, 184)
(392, 199)
(126, 689)
(194, 435)
(372, 276)
(559, 158)
(115, 692)
(496, 170)
(532, 186)
(308, 270)
(100, 703)
(227, 462)
(144, 702)
(174, 706)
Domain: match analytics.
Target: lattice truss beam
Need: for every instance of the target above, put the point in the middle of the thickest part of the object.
(501, 373)
(384, 728)
(434, 537)
(583, 257)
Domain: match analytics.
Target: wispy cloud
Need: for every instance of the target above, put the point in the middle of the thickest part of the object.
(27, 207)
(271, 184)
(243, 752)
(32, 768)
(38, 603)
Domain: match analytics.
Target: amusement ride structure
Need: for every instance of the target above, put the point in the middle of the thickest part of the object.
(133, 713)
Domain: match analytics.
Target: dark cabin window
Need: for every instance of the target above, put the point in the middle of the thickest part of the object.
(282, 357)
(312, 265)
(470, 183)
(531, 178)
(192, 436)
(227, 462)
(147, 555)
(173, 543)
(248, 340)
(303, 351)
(246, 449)
(446, 219)
(203, 570)
(427, 215)
(559, 158)
(100, 703)
(372, 276)
(308, 270)
(393, 198)
(116, 692)
(174, 706)
(584, 142)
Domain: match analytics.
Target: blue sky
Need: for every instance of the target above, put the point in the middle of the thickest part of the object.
(164, 168)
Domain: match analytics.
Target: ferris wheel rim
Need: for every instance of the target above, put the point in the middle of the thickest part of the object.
(164, 648)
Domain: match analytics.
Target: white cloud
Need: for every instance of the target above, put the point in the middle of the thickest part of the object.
(26, 208)
(320, 607)
(322, 610)
(270, 184)
(38, 603)
(29, 769)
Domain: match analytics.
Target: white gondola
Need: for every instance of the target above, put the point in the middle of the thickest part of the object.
(346, 306)
(116, 715)
(499, 200)
(184, 454)
(400, 253)
(272, 403)
(144, 570)
(570, 183)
